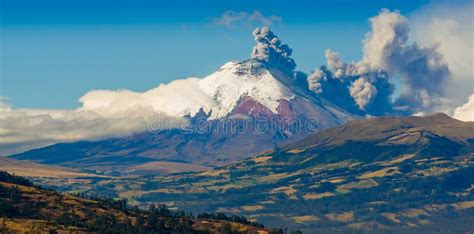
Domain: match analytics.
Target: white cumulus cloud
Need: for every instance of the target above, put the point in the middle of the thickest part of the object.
(466, 111)
(104, 113)
(178, 98)
(24, 129)
(422, 69)
(450, 27)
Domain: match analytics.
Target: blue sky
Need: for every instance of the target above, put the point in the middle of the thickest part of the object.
(52, 52)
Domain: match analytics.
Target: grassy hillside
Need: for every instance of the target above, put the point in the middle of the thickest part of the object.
(383, 174)
(25, 207)
(31, 169)
(413, 173)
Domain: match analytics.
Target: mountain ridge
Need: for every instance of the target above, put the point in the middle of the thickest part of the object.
(431, 122)
(337, 181)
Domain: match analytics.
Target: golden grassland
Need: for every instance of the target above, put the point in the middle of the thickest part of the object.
(314, 196)
(251, 208)
(463, 205)
(170, 167)
(388, 171)
(215, 225)
(340, 217)
(35, 226)
(30, 169)
(361, 184)
(261, 159)
(295, 151)
(304, 218)
(392, 217)
(213, 173)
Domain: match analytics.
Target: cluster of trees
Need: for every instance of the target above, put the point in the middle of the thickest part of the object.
(12, 178)
(159, 217)
(121, 218)
(120, 204)
(155, 220)
(233, 218)
(11, 204)
(10, 197)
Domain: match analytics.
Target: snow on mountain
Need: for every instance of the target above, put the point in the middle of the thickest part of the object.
(236, 80)
(216, 94)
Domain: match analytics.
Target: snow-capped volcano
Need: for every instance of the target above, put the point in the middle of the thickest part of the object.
(252, 79)
(235, 81)
(260, 89)
(219, 93)
(216, 95)
(266, 100)
(267, 79)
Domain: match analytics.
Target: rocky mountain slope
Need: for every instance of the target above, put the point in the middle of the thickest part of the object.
(389, 173)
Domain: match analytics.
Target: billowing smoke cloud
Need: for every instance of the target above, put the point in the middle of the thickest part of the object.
(232, 18)
(334, 61)
(466, 111)
(450, 26)
(315, 81)
(270, 50)
(422, 69)
(363, 92)
(352, 86)
(386, 53)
